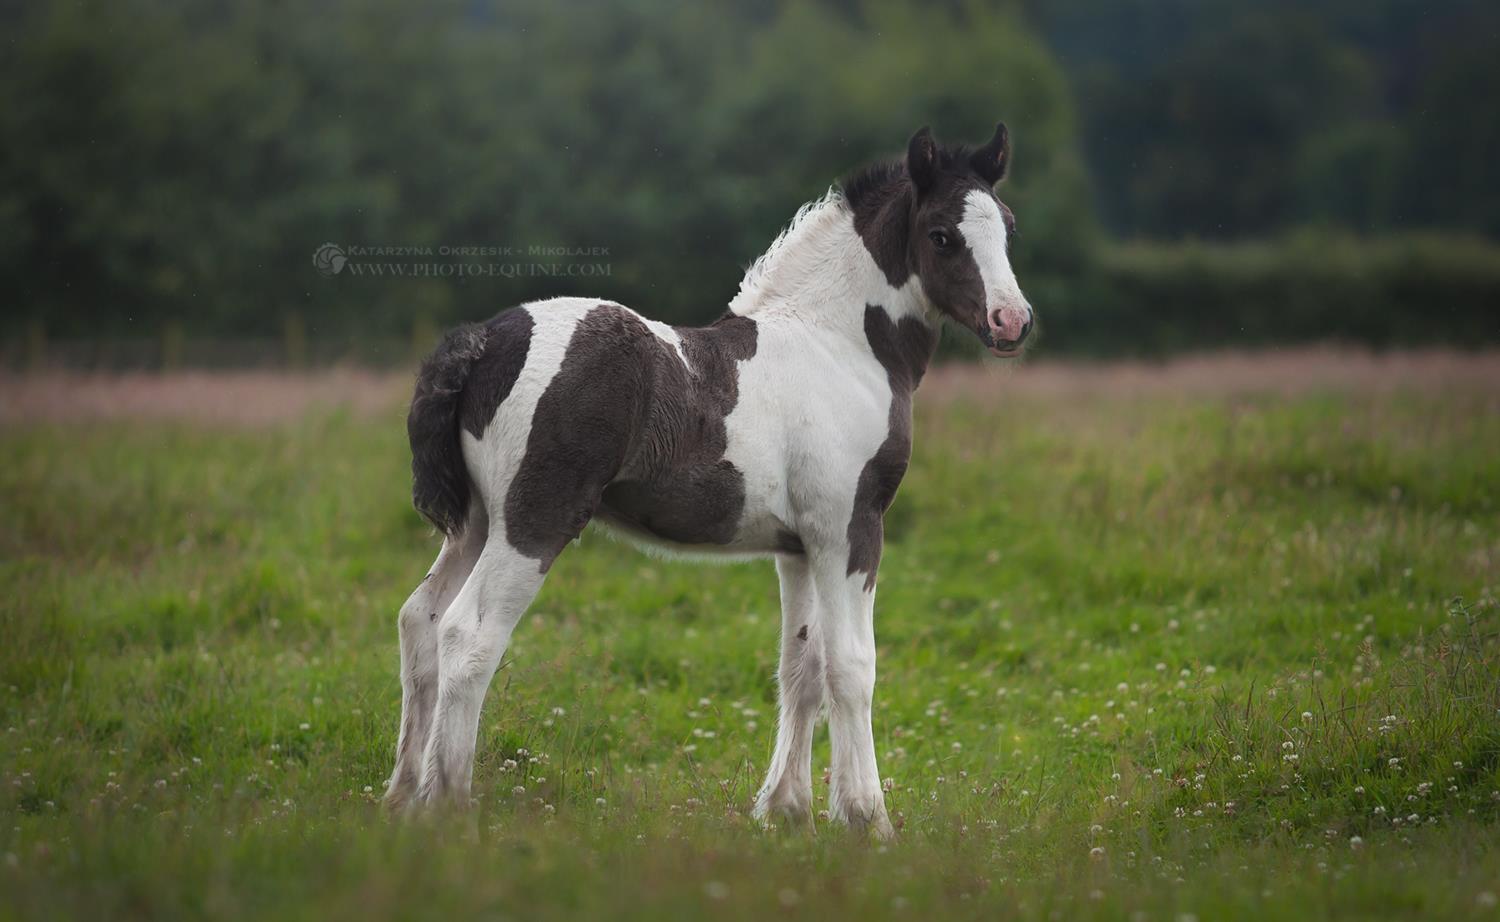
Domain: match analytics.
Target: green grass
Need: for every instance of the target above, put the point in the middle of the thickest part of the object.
(1140, 658)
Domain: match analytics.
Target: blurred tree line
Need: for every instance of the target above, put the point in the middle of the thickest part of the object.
(1225, 118)
(174, 165)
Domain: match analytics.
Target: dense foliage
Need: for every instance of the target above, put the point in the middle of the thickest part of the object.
(174, 165)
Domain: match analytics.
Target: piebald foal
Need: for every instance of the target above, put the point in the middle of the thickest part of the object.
(782, 429)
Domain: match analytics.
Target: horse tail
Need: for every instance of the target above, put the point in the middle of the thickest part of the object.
(440, 486)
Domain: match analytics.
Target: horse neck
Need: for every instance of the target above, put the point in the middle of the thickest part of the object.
(821, 276)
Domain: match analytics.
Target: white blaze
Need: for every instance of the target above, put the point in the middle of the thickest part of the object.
(983, 229)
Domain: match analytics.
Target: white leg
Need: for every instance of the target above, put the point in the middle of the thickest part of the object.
(417, 626)
(787, 793)
(472, 637)
(847, 614)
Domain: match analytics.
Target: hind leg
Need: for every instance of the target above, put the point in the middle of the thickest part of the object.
(418, 627)
(472, 637)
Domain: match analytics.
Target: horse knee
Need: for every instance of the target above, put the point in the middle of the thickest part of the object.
(851, 679)
(802, 679)
(416, 616)
(467, 652)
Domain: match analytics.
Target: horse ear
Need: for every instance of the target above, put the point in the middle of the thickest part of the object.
(921, 159)
(992, 160)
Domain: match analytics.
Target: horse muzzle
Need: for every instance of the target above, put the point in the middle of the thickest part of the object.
(1008, 329)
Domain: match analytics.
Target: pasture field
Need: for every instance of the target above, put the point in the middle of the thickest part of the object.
(1205, 642)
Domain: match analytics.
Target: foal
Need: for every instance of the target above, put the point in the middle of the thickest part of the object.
(783, 429)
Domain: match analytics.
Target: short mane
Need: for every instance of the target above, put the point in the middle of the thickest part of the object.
(812, 220)
(796, 250)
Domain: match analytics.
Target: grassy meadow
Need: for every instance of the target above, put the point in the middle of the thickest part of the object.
(1150, 648)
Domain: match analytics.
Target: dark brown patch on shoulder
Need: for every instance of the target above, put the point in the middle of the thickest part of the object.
(506, 344)
(680, 487)
(904, 349)
(802, 633)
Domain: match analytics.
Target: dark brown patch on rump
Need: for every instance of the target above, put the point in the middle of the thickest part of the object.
(904, 350)
(680, 487)
(626, 432)
(494, 373)
(581, 433)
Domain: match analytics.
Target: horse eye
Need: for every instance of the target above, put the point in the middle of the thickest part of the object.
(939, 239)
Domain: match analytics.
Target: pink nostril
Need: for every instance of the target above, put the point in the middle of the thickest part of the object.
(1010, 324)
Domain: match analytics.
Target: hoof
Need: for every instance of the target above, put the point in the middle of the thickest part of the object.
(790, 816)
(867, 820)
(399, 798)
